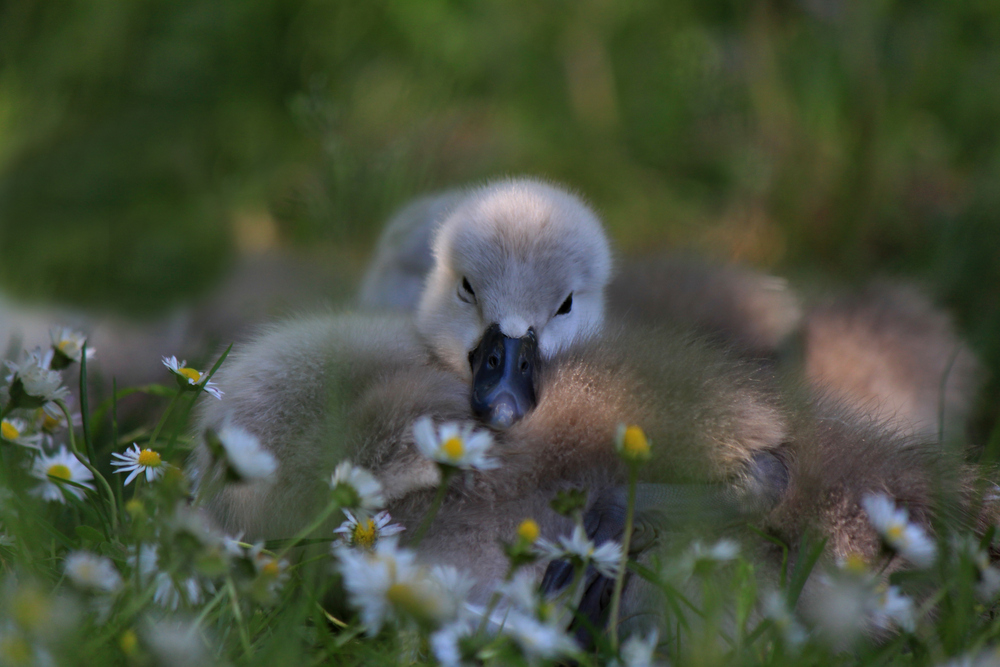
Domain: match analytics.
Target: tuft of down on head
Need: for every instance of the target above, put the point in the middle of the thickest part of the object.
(521, 254)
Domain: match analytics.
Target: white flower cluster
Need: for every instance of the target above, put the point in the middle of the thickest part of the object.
(855, 601)
(387, 584)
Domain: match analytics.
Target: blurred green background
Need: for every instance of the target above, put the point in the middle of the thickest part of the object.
(144, 145)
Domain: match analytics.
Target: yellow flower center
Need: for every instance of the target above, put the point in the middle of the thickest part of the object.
(128, 642)
(453, 448)
(855, 563)
(60, 471)
(8, 430)
(404, 597)
(31, 609)
(86, 572)
(135, 507)
(364, 534)
(149, 459)
(66, 347)
(895, 532)
(528, 530)
(15, 651)
(49, 423)
(635, 445)
(191, 374)
(270, 569)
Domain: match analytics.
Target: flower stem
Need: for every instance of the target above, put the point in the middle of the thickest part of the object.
(442, 490)
(163, 419)
(494, 601)
(112, 504)
(238, 613)
(320, 519)
(616, 595)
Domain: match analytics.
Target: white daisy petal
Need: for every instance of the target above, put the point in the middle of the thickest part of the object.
(637, 651)
(386, 584)
(190, 378)
(18, 431)
(61, 465)
(897, 532)
(579, 549)
(137, 461)
(538, 640)
(363, 531)
(365, 490)
(69, 344)
(453, 445)
(91, 572)
(245, 456)
(32, 382)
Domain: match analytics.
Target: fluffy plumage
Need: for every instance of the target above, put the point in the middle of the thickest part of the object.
(321, 388)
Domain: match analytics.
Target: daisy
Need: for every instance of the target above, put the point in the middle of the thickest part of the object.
(538, 640)
(454, 583)
(16, 649)
(176, 641)
(579, 549)
(521, 591)
(91, 572)
(888, 608)
(191, 529)
(719, 552)
(778, 612)
(16, 431)
(246, 459)
(386, 583)
(358, 485)
(451, 644)
(32, 383)
(232, 545)
(169, 592)
(189, 378)
(135, 462)
(893, 525)
(454, 445)
(365, 532)
(68, 347)
(988, 577)
(841, 610)
(50, 419)
(701, 558)
(272, 573)
(62, 466)
(637, 651)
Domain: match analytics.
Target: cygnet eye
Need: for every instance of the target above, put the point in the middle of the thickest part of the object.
(566, 306)
(465, 292)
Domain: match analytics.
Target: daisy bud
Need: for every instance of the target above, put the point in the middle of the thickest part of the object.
(632, 444)
(353, 486)
(129, 643)
(528, 531)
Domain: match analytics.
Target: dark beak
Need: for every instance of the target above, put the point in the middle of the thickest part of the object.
(503, 371)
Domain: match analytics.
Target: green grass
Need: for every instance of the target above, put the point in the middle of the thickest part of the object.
(283, 605)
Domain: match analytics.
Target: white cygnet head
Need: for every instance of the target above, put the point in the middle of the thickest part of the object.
(516, 260)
